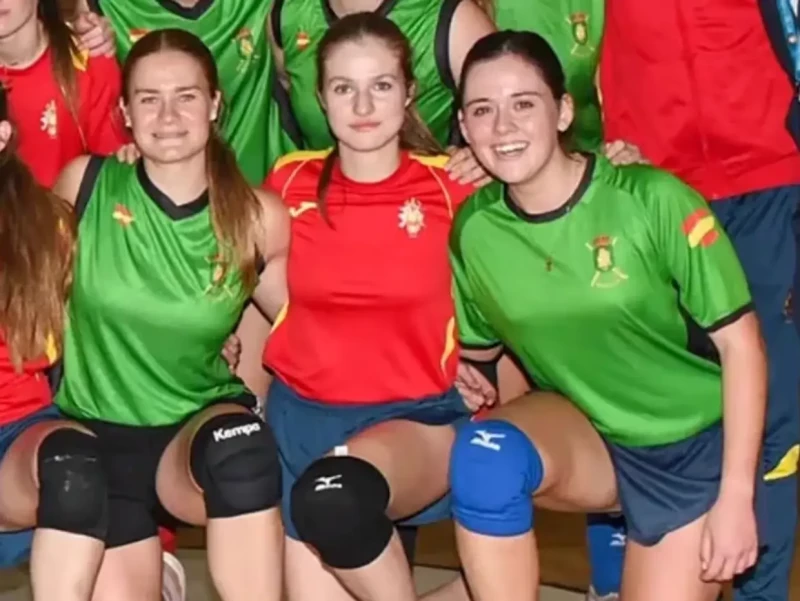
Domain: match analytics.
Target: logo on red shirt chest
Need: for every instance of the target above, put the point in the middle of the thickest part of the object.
(412, 217)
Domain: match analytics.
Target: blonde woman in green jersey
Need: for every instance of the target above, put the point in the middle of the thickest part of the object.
(171, 249)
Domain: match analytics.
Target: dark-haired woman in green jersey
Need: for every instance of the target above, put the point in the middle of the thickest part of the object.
(617, 288)
(170, 249)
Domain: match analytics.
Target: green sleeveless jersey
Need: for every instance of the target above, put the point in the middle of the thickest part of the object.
(298, 29)
(256, 119)
(574, 28)
(151, 306)
(608, 299)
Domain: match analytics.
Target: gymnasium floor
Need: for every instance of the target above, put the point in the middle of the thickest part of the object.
(560, 536)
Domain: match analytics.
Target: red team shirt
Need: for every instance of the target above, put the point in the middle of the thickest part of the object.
(696, 85)
(370, 316)
(23, 393)
(50, 136)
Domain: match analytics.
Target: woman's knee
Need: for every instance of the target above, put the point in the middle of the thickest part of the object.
(339, 507)
(234, 459)
(494, 471)
(73, 493)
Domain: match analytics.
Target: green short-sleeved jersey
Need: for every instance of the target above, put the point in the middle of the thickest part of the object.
(256, 119)
(151, 305)
(574, 28)
(607, 300)
(300, 26)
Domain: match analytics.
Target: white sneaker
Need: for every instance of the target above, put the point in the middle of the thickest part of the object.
(593, 596)
(173, 586)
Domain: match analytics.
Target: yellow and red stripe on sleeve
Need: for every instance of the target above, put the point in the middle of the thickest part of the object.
(701, 228)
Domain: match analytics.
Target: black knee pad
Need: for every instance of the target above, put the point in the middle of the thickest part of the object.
(73, 493)
(339, 506)
(234, 459)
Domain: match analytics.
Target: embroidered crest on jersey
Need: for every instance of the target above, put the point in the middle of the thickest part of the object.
(701, 228)
(302, 41)
(606, 273)
(49, 119)
(580, 34)
(134, 35)
(219, 271)
(412, 219)
(246, 47)
(122, 215)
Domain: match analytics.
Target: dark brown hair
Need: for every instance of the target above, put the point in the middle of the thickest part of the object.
(414, 134)
(235, 209)
(53, 15)
(37, 234)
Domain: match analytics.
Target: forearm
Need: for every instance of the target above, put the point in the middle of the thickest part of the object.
(744, 384)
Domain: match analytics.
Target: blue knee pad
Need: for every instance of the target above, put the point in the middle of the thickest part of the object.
(494, 471)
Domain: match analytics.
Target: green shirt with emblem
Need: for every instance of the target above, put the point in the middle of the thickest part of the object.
(256, 119)
(151, 305)
(607, 300)
(574, 28)
(300, 25)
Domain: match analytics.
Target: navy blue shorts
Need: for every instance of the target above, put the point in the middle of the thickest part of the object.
(307, 430)
(15, 547)
(665, 487)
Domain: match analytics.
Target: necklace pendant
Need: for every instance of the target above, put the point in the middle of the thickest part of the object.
(548, 264)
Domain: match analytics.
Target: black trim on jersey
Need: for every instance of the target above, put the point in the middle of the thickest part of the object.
(281, 98)
(331, 17)
(441, 44)
(164, 202)
(565, 208)
(193, 13)
(276, 21)
(88, 182)
(729, 319)
(478, 347)
(94, 6)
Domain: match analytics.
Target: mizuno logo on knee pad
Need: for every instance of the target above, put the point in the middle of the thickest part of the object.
(226, 433)
(484, 439)
(327, 483)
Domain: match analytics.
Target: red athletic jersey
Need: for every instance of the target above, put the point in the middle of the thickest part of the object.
(696, 85)
(370, 317)
(49, 134)
(25, 392)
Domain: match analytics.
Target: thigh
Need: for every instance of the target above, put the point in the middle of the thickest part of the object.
(511, 379)
(578, 473)
(130, 573)
(177, 489)
(18, 467)
(307, 579)
(414, 459)
(668, 570)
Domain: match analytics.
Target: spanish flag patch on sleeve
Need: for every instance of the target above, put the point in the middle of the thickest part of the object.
(701, 228)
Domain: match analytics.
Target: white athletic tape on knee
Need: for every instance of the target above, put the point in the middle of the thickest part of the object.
(340, 451)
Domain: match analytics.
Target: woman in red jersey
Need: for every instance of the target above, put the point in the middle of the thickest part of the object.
(63, 101)
(364, 354)
(49, 468)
